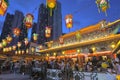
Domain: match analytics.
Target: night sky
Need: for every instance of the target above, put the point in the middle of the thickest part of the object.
(85, 12)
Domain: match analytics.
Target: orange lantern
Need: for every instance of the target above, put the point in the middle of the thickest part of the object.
(9, 38)
(61, 40)
(19, 44)
(14, 47)
(29, 20)
(35, 36)
(51, 4)
(48, 32)
(69, 21)
(16, 31)
(3, 6)
(26, 41)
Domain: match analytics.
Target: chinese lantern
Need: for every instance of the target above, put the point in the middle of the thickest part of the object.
(40, 47)
(14, 47)
(29, 20)
(26, 41)
(16, 52)
(35, 36)
(51, 4)
(103, 5)
(9, 38)
(1, 45)
(10, 48)
(16, 31)
(78, 36)
(48, 32)
(3, 6)
(27, 51)
(19, 44)
(61, 40)
(69, 21)
(19, 51)
(4, 42)
(32, 49)
(23, 51)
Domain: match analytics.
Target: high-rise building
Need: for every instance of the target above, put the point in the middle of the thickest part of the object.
(42, 23)
(57, 22)
(34, 30)
(54, 21)
(7, 26)
(18, 22)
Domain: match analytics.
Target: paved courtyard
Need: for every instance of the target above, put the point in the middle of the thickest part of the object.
(13, 76)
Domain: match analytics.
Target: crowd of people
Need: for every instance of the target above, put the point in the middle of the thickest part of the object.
(68, 65)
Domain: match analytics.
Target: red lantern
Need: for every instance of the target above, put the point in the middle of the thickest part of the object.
(29, 20)
(61, 40)
(3, 7)
(48, 32)
(16, 31)
(69, 21)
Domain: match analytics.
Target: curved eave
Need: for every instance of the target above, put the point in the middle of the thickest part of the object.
(78, 44)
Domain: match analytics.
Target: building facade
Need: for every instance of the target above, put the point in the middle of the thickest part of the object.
(34, 30)
(7, 26)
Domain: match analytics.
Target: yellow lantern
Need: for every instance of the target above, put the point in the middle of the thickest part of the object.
(51, 4)
(4, 42)
(35, 36)
(10, 48)
(78, 36)
(7, 49)
(19, 44)
(9, 38)
(69, 21)
(3, 6)
(1, 45)
(23, 51)
(48, 32)
(4, 49)
(32, 49)
(29, 20)
(19, 52)
(26, 41)
(16, 52)
(14, 47)
(40, 47)
(27, 51)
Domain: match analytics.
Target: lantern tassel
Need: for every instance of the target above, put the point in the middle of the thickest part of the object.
(51, 12)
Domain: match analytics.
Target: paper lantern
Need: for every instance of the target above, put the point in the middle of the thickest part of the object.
(48, 32)
(61, 40)
(19, 44)
(16, 31)
(23, 51)
(69, 21)
(16, 52)
(26, 41)
(35, 36)
(3, 6)
(33, 49)
(10, 48)
(29, 20)
(27, 51)
(1, 45)
(4, 42)
(51, 4)
(14, 47)
(9, 38)
(19, 51)
(102, 5)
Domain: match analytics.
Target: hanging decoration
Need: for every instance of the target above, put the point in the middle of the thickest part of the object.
(9, 39)
(4, 42)
(14, 47)
(29, 20)
(16, 31)
(103, 5)
(40, 47)
(69, 21)
(61, 40)
(51, 4)
(3, 6)
(26, 41)
(48, 32)
(35, 36)
(78, 35)
(1, 45)
(19, 44)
